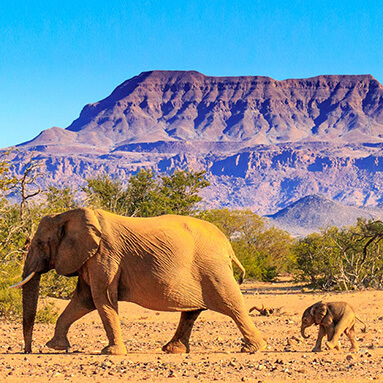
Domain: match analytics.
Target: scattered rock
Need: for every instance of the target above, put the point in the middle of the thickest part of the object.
(302, 371)
(209, 360)
(172, 374)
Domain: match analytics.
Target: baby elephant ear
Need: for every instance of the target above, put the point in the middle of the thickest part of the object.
(79, 236)
(320, 310)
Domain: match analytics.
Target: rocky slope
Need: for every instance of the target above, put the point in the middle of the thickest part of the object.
(264, 143)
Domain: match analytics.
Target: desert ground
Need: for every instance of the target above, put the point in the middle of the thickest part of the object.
(215, 345)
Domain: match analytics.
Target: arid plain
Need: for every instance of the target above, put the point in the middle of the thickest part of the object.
(215, 345)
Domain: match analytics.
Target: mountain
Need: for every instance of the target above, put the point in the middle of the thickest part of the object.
(314, 212)
(188, 106)
(264, 143)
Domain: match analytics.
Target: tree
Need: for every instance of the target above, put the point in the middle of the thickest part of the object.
(105, 193)
(17, 222)
(342, 258)
(27, 186)
(180, 191)
(143, 195)
(311, 258)
(59, 199)
(6, 181)
(146, 195)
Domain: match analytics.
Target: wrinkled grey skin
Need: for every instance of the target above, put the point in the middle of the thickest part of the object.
(168, 263)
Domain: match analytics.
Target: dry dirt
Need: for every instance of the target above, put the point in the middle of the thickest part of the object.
(215, 345)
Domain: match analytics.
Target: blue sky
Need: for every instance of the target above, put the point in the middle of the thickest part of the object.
(57, 56)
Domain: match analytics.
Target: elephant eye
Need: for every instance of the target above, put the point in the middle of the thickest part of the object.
(62, 231)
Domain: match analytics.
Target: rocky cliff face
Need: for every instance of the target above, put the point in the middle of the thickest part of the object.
(264, 143)
(179, 106)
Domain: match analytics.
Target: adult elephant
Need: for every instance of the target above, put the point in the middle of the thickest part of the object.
(167, 263)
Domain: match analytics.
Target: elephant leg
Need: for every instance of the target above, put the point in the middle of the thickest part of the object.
(330, 332)
(339, 328)
(80, 305)
(107, 308)
(318, 344)
(351, 335)
(227, 299)
(253, 339)
(179, 344)
(330, 335)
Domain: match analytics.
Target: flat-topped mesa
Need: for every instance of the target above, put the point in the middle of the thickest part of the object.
(263, 143)
(187, 105)
(166, 77)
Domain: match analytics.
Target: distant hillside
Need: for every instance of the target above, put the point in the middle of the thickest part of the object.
(263, 143)
(314, 212)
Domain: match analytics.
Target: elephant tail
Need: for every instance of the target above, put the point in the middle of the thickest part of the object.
(364, 329)
(239, 265)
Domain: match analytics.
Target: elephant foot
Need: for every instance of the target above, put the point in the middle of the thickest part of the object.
(176, 347)
(354, 349)
(59, 344)
(316, 349)
(115, 349)
(253, 346)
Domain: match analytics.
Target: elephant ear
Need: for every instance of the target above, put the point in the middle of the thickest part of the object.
(79, 234)
(319, 312)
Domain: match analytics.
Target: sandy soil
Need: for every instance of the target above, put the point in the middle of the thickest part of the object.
(215, 345)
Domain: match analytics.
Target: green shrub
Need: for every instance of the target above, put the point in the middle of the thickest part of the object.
(11, 300)
(342, 258)
(47, 313)
(57, 286)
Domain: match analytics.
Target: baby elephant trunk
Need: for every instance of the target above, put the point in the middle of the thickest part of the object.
(303, 332)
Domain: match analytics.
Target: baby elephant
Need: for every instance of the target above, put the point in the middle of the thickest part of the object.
(333, 318)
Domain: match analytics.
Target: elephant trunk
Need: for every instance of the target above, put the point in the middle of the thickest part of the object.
(303, 332)
(30, 299)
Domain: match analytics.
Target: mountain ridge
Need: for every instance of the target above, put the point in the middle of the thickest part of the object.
(263, 143)
(187, 105)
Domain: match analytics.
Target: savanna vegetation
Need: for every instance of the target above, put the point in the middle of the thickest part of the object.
(348, 258)
(335, 258)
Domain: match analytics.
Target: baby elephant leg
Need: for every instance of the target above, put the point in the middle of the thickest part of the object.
(318, 344)
(340, 327)
(330, 335)
(179, 344)
(351, 335)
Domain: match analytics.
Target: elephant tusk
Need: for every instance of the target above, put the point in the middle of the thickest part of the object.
(23, 282)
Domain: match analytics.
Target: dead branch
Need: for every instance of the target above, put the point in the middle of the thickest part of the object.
(267, 311)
